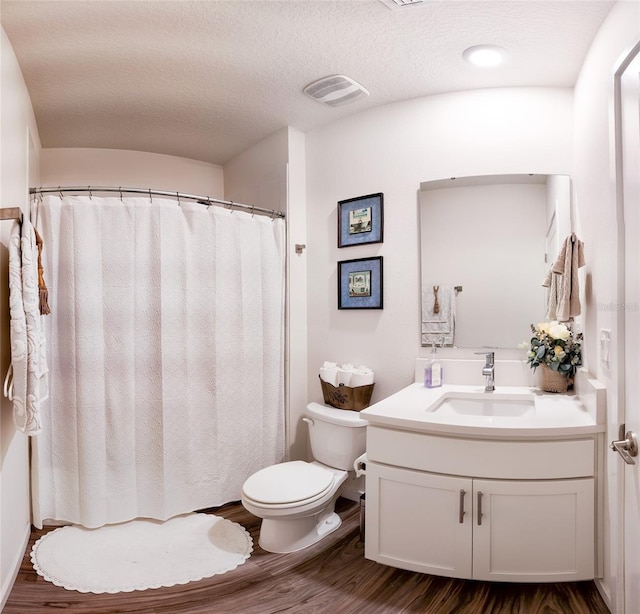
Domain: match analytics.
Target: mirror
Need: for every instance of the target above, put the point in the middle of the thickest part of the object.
(486, 243)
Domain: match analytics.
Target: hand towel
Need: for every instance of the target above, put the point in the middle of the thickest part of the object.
(553, 282)
(438, 319)
(570, 259)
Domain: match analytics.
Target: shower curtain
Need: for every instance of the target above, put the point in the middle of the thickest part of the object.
(166, 354)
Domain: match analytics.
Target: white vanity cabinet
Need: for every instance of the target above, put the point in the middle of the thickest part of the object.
(503, 510)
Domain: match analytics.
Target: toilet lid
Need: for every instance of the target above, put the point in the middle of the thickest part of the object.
(287, 483)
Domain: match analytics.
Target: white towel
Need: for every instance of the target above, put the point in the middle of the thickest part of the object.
(570, 259)
(329, 373)
(361, 376)
(552, 281)
(344, 374)
(16, 380)
(28, 371)
(438, 327)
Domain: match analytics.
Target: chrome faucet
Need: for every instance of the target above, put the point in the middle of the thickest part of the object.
(489, 371)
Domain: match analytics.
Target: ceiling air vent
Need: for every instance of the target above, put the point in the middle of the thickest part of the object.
(335, 90)
(399, 4)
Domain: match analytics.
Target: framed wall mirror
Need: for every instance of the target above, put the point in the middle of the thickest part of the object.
(486, 242)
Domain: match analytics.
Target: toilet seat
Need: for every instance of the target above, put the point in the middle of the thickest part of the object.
(288, 484)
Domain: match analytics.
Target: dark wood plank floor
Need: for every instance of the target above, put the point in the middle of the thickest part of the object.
(330, 577)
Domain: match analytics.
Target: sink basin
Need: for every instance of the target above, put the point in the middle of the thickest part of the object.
(487, 404)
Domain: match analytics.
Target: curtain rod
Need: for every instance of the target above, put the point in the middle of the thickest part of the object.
(202, 200)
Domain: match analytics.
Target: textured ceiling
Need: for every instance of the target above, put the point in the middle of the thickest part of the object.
(208, 79)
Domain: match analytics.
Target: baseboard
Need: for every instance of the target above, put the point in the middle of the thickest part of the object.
(7, 585)
(604, 593)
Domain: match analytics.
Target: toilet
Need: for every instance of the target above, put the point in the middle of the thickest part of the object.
(296, 500)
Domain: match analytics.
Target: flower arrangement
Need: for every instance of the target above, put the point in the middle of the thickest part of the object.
(555, 346)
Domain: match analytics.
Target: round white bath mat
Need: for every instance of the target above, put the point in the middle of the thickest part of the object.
(141, 554)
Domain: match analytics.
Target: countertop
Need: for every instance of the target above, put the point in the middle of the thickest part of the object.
(552, 415)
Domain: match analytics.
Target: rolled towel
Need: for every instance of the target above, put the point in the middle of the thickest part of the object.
(329, 373)
(362, 376)
(344, 374)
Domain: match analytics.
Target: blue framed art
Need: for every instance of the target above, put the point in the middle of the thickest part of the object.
(360, 283)
(360, 220)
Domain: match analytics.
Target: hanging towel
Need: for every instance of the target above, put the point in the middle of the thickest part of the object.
(16, 381)
(570, 259)
(26, 383)
(438, 315)
(553, 282)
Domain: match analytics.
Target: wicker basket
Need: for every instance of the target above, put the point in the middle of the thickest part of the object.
(345, 397)
(552, 381)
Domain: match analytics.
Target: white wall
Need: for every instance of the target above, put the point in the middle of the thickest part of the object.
(258, 175)
(297, 315)
(20, 146)
(392, 150)
(272, 175)
(559, 212)
(77, 166)
(594, 196)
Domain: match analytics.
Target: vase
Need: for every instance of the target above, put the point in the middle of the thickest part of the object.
(552, 381)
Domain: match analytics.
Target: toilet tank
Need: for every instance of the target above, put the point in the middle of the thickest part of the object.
(337, 436)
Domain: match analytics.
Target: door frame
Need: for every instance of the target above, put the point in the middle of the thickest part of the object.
(620, 381)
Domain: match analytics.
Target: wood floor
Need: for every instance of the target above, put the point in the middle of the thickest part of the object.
(331, 577)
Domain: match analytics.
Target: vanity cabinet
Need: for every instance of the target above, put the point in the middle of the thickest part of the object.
(514, 511)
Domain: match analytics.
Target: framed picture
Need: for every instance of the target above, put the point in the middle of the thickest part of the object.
(360, 220)
(360, 283)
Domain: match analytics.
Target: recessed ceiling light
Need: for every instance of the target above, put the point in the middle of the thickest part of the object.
(485, 55)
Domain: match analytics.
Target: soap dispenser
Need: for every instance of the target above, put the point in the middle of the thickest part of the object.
(433, 370)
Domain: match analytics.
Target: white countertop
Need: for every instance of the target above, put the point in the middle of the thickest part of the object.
(552, 414)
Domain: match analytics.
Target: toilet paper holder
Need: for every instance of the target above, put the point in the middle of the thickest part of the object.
(360, 465)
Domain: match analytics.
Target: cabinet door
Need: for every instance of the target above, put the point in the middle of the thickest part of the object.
(533, 531)
(419, 521)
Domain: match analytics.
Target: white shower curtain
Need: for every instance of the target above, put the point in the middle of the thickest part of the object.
(166, 355)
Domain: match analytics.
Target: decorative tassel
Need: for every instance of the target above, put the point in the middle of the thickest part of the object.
(43, 292)
(436, 305)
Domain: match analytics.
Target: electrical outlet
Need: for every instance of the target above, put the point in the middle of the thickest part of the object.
(605, 348)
